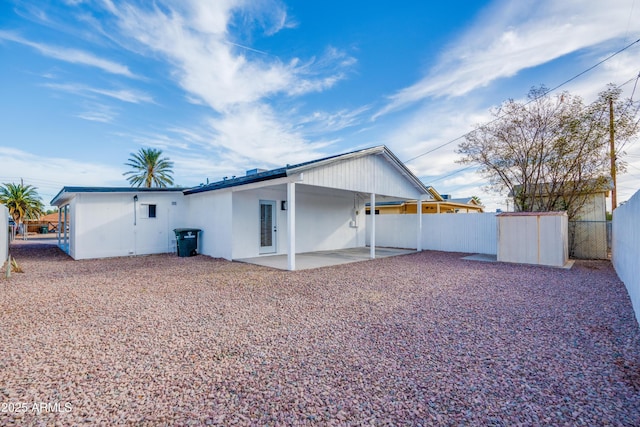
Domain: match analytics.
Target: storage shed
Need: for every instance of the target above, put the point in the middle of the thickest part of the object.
(533, 238)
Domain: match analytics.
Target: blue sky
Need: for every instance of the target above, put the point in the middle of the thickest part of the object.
(223, 86)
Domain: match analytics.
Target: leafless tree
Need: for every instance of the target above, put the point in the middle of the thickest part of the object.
(550, 152)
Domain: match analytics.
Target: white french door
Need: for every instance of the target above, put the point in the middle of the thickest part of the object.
(268, 226)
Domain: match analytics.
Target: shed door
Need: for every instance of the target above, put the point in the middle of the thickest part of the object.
(267, 226)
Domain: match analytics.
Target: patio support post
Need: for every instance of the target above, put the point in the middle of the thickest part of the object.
(419, 233)
(291, 226)
(372, 233)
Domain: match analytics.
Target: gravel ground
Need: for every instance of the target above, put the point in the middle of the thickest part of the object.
(422, 339)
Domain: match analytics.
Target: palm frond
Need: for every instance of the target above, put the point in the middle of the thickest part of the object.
(149, 169)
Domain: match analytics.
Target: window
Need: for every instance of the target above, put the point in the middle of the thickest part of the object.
(148, 210)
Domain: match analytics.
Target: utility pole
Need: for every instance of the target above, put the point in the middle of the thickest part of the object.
(614, 201)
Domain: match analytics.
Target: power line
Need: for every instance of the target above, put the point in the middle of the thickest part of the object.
(530, 101)
(450, 174)
(634, 86)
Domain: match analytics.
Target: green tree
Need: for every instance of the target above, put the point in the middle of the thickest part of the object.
(549, 153)
(22, 201)
(149, 169)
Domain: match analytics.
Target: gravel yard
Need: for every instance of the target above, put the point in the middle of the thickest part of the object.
(422, 339)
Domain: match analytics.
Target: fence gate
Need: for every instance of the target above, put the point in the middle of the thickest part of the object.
(589, 239)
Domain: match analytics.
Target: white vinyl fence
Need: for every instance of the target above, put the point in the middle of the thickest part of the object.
(462, 232)
(4, 234)
(626, 248)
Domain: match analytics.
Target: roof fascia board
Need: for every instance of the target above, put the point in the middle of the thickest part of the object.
(68, 193)
(435, 194)
(453, 204)
(253, 185)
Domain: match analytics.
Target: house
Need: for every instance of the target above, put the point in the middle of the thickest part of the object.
(591, 201)
(312, 206)
(437, 203)
(48, 222)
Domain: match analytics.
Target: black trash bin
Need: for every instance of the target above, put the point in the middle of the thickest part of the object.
(187, 241)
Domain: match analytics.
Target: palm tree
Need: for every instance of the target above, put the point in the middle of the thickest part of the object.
(22, 201)
(149, 169)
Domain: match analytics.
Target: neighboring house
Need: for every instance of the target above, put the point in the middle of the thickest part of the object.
(437, 203)
(593, 208)
(312, 206)
(49, 221)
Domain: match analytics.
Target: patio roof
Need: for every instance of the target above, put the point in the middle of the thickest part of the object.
(290, 170)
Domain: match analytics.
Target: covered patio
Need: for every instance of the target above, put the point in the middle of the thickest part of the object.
(314, 207)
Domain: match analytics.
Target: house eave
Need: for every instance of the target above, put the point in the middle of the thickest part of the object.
(68, 193)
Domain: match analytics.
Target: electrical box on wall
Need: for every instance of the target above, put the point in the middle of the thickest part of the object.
(354, 222)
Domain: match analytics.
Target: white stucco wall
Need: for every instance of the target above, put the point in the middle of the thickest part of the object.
(323, 220)
(4, 234)
(626, 248)
(246, 221)
(104, 224)
(211, 212)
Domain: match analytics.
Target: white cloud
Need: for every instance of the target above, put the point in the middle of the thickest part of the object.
(194, 37)
(511, 36)
(98, 113)
(50, 174)
(124, 95)
(73, 56)
(323, 122)
(256, 133)
(429, 127)
(619, 70)
(159, 140)
(238, 82)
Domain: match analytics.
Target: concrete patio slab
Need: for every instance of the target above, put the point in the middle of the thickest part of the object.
(309, 260)
(482, 257)
(494, 258)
